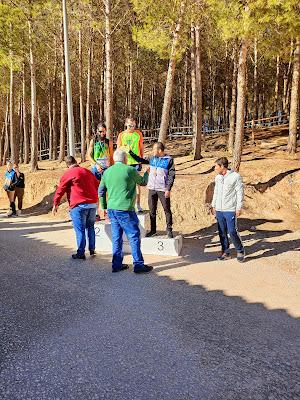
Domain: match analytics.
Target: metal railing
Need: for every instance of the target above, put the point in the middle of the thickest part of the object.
(150, 135)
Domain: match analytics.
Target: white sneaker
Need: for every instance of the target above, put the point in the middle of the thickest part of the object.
(9, 213)
(19, 212)
(138, 208)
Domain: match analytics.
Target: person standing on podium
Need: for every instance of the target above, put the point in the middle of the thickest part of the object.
(132, 140)
(100, 155)
(119, 182)
(160, 183)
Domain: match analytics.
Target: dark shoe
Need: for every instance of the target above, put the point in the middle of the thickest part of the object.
(240, 257)
(92, 253)
(78, 257)
(224, 257)
(124, 266)
(144, 269)
(170, 234)
(151, 233)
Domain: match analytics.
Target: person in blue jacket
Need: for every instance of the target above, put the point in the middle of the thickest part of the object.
(9, 187)
(161, 180)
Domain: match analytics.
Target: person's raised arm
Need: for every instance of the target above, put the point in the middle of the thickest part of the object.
(138, 159)
(141, 180)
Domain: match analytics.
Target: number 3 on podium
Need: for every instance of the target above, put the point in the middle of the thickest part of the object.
(160, 246)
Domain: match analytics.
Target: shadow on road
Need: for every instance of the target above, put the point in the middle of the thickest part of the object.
(73, 330)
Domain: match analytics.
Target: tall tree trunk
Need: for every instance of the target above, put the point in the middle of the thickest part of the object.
(62, 139)
(13, 144)
(286, 80)
(6, 139)
(81, 101)
(108, 71)
(184, 92)
(255, 84)
(25, 127)
(240, 111)
(292, 143)
(165, 118)
(233, 103)
(88, 91)
(21, 137)
(276, 90)
(2, 140)
(50, 116)
(34, 133)
(140, 108)
(101, 94)
(196, 92)
(54, 108)
(225, 110)
(130, 100)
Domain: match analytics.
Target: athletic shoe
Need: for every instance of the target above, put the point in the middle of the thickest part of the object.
(19, 213)
(170, 234)
(139, 209)
(123, 268)
(92, 253)
(78, 257)
(9, 213)
(143, 270)
(150, 234)
(240, 257)
(224, 257)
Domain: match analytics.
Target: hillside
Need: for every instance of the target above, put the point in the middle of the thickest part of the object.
(272, 184)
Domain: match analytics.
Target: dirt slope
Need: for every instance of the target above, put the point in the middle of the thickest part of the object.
(272, 184)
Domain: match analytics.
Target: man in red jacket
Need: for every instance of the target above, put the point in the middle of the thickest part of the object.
(81, 188)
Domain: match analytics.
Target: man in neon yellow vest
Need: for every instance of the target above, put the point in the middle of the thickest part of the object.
(99, 154)
(132, 139)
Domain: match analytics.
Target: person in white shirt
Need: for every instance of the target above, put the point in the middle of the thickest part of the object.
(227, 205)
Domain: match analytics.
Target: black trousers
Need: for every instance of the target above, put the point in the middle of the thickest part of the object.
(153, 197)
(19, 194)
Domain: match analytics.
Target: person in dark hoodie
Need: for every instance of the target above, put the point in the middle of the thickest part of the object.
(19, 188)
(161, 180)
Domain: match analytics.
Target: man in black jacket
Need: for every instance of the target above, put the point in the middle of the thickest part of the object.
(161, 180)
(19, 188)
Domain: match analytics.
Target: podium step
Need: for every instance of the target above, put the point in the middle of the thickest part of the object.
(157, 245)
(163, 246)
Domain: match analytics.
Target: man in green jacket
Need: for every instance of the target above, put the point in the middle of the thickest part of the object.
(119, 183)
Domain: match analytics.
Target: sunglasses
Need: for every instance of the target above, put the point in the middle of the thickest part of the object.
(130, 126)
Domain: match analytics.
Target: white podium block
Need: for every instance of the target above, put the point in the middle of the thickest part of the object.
(104, 236)
(162, 246)
(157, 245)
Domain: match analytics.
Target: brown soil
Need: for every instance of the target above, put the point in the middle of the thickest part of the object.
(272, 182)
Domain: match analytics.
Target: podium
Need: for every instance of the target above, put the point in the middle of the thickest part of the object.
(155, 245)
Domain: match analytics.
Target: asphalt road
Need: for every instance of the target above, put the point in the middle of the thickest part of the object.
(73, 330)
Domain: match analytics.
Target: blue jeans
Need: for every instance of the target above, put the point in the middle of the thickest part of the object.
(227, 225)
(125, 221)
(83, 220)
